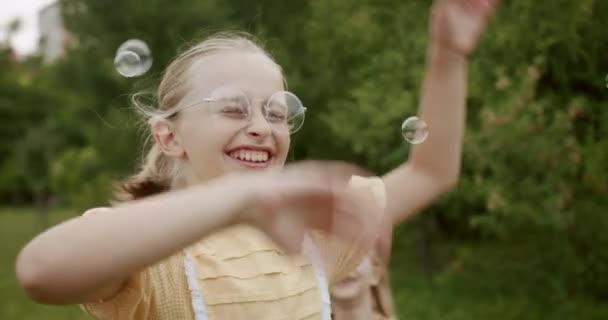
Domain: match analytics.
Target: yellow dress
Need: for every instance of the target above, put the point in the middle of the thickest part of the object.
(236, 273)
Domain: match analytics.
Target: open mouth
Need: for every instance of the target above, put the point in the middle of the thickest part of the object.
(251, 158)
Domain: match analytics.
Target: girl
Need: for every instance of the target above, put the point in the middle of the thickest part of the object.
(206, 224)
(365, 293)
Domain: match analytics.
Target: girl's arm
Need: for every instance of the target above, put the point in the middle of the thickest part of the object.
(434, 165)
(89, 258)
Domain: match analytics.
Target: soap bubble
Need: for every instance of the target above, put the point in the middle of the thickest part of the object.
(414, 130)
(133, 58)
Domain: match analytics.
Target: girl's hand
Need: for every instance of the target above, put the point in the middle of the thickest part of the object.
(311, 195)
(457, 24)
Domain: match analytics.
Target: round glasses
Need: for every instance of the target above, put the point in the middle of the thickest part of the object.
(282, 109)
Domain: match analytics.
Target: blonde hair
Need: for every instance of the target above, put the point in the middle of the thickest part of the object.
(158, 171)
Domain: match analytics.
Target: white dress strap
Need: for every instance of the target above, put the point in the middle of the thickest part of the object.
(195, 291)
(311, 250)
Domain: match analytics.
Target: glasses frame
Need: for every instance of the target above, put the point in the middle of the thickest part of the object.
(209, 100)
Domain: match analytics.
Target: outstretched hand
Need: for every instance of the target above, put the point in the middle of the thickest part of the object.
(458, 24)
(313, 195)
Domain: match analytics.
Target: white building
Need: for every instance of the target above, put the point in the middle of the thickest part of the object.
(54, 38)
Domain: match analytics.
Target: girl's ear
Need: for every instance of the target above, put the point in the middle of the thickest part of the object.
(163, 132)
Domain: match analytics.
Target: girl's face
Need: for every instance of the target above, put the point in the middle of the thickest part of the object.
(225, 127)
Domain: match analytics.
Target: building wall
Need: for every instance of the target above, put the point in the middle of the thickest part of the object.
(53, 36)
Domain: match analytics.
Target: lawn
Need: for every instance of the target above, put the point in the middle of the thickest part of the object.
(476, 280)
(471, 281)
(17, 226)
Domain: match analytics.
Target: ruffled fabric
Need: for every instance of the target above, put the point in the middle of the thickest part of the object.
(243, 275)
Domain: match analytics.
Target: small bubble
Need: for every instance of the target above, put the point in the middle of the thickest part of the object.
(607, 81)
(414, 130)
(133, 58)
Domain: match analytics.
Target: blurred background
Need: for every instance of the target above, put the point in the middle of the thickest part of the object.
(523, 236)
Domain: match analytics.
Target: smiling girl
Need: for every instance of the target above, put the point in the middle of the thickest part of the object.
(215, 226)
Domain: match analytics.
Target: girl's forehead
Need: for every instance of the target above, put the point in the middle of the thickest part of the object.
(253, 73)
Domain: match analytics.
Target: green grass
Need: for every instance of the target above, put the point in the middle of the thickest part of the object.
(482, 281)
(17, 226)
(471, 281)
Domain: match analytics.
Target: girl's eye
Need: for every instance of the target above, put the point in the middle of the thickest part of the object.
(276, 113)
(233, 109)
(277, 116)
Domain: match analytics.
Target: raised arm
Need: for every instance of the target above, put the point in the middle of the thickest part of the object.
(434, 165)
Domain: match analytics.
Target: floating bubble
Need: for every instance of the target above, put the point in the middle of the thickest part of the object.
(607, 81)
(133, 58)
(414, 130)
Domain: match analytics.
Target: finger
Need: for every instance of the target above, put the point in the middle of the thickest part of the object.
(486, 7)
(316, 209)
(336, 173)
(483, 7)
(356, 217)
(288, 233)
(367, 203)
(311, 203)
(311, 189)
(493, 4)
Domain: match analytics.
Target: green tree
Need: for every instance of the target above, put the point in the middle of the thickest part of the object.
(535, 156)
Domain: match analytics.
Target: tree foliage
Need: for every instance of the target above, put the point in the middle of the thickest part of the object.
(535, 157)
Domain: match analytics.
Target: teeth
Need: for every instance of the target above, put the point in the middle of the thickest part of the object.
(249, 155)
